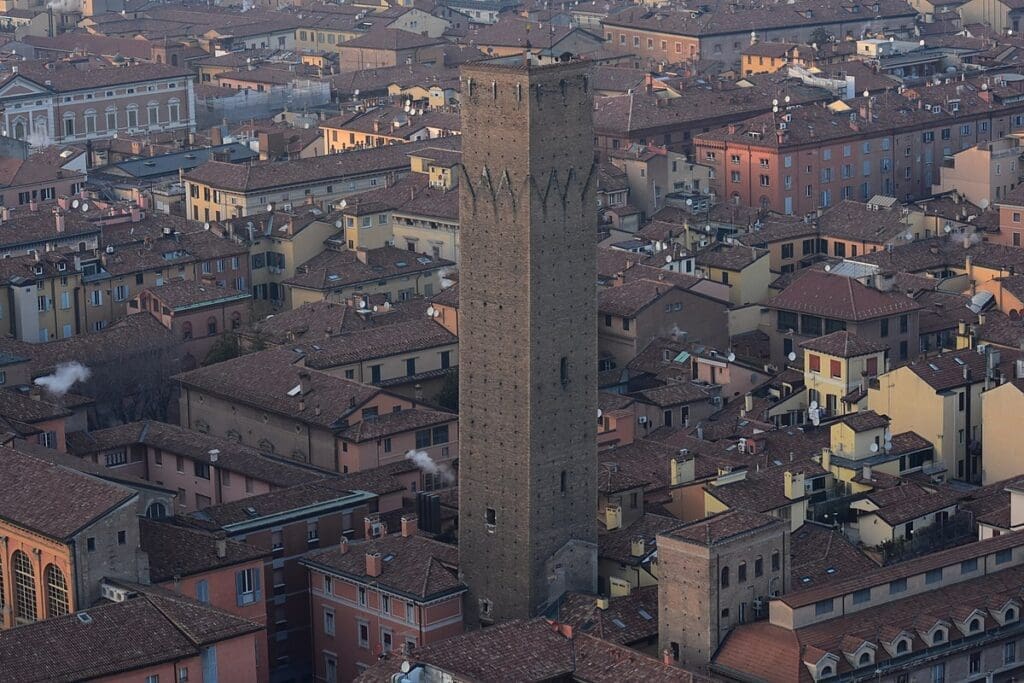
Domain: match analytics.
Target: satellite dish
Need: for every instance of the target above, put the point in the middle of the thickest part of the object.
(887, 435)
(814, 405)
(206, 225)
(374, 309)
(791, 356)
(827, 268)
(668, 258)
(343, 203)
(430, 311)
(406, 667)
(599, 413)
(689, 202)
(983, 203)
(909, 236)
(775, 102)
(74, 203)
(355, 93)
(707, 229)
(731, 357)
(361, 304)
(815, 420)
(270, 207)
(874, 448)
(337, 223)
(948, 228)
(85, 206)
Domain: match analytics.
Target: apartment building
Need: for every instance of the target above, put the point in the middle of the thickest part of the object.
(983, 174)
(837, 369)
(806, 158)
(204, 469)
(219, 191)
(672, 36)
(267, 400)
(391, 594)
(952, 615)
(387, 125)
(52, 558)
(79, 100)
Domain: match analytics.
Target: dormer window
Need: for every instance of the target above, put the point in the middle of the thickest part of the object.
(62, 266)
(974, 626)
(939, 636)
(902, 646)
(1009, 615)
(827, 671)
(864, 659)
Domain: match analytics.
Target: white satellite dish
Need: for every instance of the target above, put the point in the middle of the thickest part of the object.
(270, 207)
(337, 223)
(707, 229)
(813, 406)
(430, 311)
(406, 667)
(374, 309)
(984, 203)
(874, 448)
(731, 357)
(791, 356)
(74, 203)
(343, 203)
(827, 268)
(668, 258)
(362, 304)
(815, 420)
(356, 92)
(948, 228)
(599, 413)
(85, 206)
(887, 435)
(206, 225)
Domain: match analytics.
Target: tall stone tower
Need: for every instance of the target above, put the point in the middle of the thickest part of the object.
(527, 338)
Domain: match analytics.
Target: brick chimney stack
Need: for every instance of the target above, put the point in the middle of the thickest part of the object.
(374, 564)
(408, 526)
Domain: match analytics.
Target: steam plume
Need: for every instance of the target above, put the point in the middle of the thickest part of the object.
(64, 377)
(427, 464)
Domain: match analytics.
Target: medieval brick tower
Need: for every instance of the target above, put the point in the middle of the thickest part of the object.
(527, 338)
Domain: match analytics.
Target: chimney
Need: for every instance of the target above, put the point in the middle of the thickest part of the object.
(64, 202)
(637, 547)
(33, 205)
(216, 136)
(613, 517)
(748, 403)
(681, 469)
(794, 485)
(222, 548)
(136, 214)
(143, 201)
(666, 657)
(865, 473)
(343, 545)
(601, 602)
(374, 564)
(58, 215)
(826, 458)
(373, 527)
(408, 525)
(304, 383)
(5, 214)
(361, 255)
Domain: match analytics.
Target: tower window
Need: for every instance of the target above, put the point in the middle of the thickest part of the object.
(491, 517)
(563, 370)
(562, 481)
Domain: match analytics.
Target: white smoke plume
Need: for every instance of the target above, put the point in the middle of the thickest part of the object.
(66, 6)
(427, 464)
(64, 377)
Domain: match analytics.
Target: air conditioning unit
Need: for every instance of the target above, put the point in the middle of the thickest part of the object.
(113, 593)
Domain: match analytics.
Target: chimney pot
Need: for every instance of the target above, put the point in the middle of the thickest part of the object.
(343, 546)
(374, 564)
(222, 547)
(408, 525)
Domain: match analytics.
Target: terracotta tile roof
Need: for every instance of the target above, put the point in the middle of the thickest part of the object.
(946, 371)
(859, 222)
(920, 565)
(332, 268)
(231, 456)
(629, 299)
(863, 421)
(255, 177)
(178, 551)
(390, 424)
(390, 39)
(93, 74)
(763, 490)
(820, 554)
(842, 298)
(14, 405)
(673, 394)
(380, 342)
(52, 500)
(188, 294)
(264, 380)
(729, 257)
(379, 480)
(722, 527)
(309, 323)
(843, 344)
(617, 544)
(414, 566)
(608, 402)
(900, 504)
(153, 628)
(768, 652)
(627, 619)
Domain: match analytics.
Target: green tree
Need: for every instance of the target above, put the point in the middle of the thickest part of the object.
(223, 349)
(448, 396)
